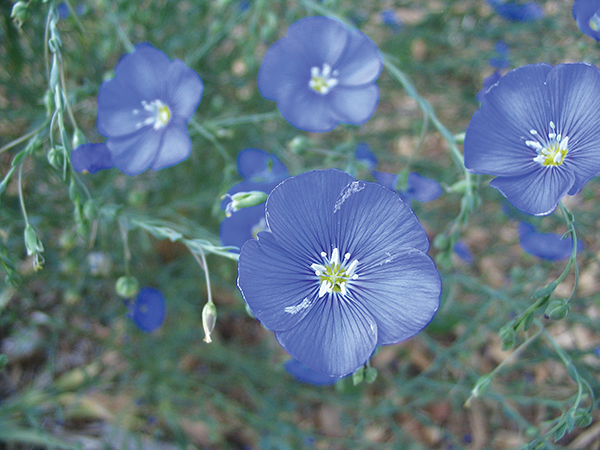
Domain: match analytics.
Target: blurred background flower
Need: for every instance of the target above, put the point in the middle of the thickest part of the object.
(148, 310)
(548, 246)
(587, 15)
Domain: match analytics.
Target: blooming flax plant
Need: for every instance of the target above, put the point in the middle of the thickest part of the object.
(538, 132)
(322, 74)
(144, 110)
(343, 269)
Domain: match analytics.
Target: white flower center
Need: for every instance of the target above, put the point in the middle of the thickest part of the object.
(595, 21)
(155, 113)
(550, 151)
(322, 80)
(335, 275)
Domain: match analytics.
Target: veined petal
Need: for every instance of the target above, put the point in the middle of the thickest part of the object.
(241, 225)
(184, 91)
(401, 291)
(91, 158)
(307, 110)
(423, 189)
(537, 193)
(361, 62)
(284, 70)
(549, 246)
(354, 105)
(307, 375)
(278, 286)
(336, 337)
(365, 238)
(133, 153)
(300, 211)
(116, 106)
(389, 180)
(175, 147)
(496, 136)
(144, 72)
(323, 39)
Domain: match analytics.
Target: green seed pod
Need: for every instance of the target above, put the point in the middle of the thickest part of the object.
(127, 287)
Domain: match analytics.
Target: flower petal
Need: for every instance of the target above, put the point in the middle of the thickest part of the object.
(583, 11)
(116, 106)
(133, 153)
(91, 158)
(279, 287)
(353, 105)
(335, 338)
(148, 311)
(259, 166)
(239, 227)
(389, 180)
(307, 375)
(308, 110)
(322, 38)
(299, 212)
(184, 88)
(549, 246)
(175, 147)
(361, 62)
(144, 72)
(537, 193)
(423, 189)
(495, 139)
(401, 291)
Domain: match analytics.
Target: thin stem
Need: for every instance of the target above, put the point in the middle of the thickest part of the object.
(24, 137)
(123, 227)
(204, 132)
(202, 262)
(21, 197)
(573, 258)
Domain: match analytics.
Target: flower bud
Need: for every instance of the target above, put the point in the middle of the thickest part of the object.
(127, 287)
(370, 375)
(209, 319)
(557, 309)
(507, 335)
(244, 200)
(19, 12)
(32, 243)
(90, 209)
(582, 418)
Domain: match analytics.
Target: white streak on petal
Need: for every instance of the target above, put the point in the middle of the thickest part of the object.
(296, 309)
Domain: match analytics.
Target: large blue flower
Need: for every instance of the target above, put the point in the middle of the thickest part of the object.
(343, 269)
(145, 108)
(322, 74)
(519, 12)
(587, 16)
(538, 131)
(261, 171)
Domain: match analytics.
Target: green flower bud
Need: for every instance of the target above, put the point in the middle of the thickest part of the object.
(19, 13)
(244, 200)
(209, 319)
(55, 157)
(299, 144)
(90, 209)
(482, 385)
(441, 242)
(32, 243)
(127, 287)
(557, 309)
(507, 335)
(358, 375)
(582, 418)
(370, 375)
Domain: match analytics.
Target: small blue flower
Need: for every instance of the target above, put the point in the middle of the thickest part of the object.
(538, 132)
(548, 246)
(145, 108)
(322, 74)
(364, 154)
(148, 310)
(501, 61)
(262, 171)
(391, 19)
(518, 12)
(343, 269)
(463, 252)
(587, 16)
(91, 158)
(307, 375)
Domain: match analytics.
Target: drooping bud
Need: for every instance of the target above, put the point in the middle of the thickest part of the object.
(127, 287)
(209, 319)
(557, 309)
(241, 200)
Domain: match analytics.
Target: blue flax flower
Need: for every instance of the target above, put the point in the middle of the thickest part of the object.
(548, 246)
(322, 74)
(587, 16)
(91, 158)
(145, 108)
(518, 12)
(342, 270)
(538, 132)
(261, 171)
(148, 310)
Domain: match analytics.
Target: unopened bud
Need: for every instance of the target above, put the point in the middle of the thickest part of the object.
(557, 309)
(507, 335)
(241, 200)
(32, 243)
(209, 319)
(127, 287)
(19, 12)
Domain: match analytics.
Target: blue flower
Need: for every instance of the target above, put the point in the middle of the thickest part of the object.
(518, 12)
(501, 61)
(91, 158)
(148, 310)
(548, 246)
(538, 132)
(587, 16)
(262, 171)
(390, 18)
(145, 108)
(463, 252)
(307, 375)
(322, 74)
(343, 269)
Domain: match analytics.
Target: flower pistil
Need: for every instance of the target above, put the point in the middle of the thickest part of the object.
(157, 114)
(334, 275)
(550, 152)
(322, 80)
